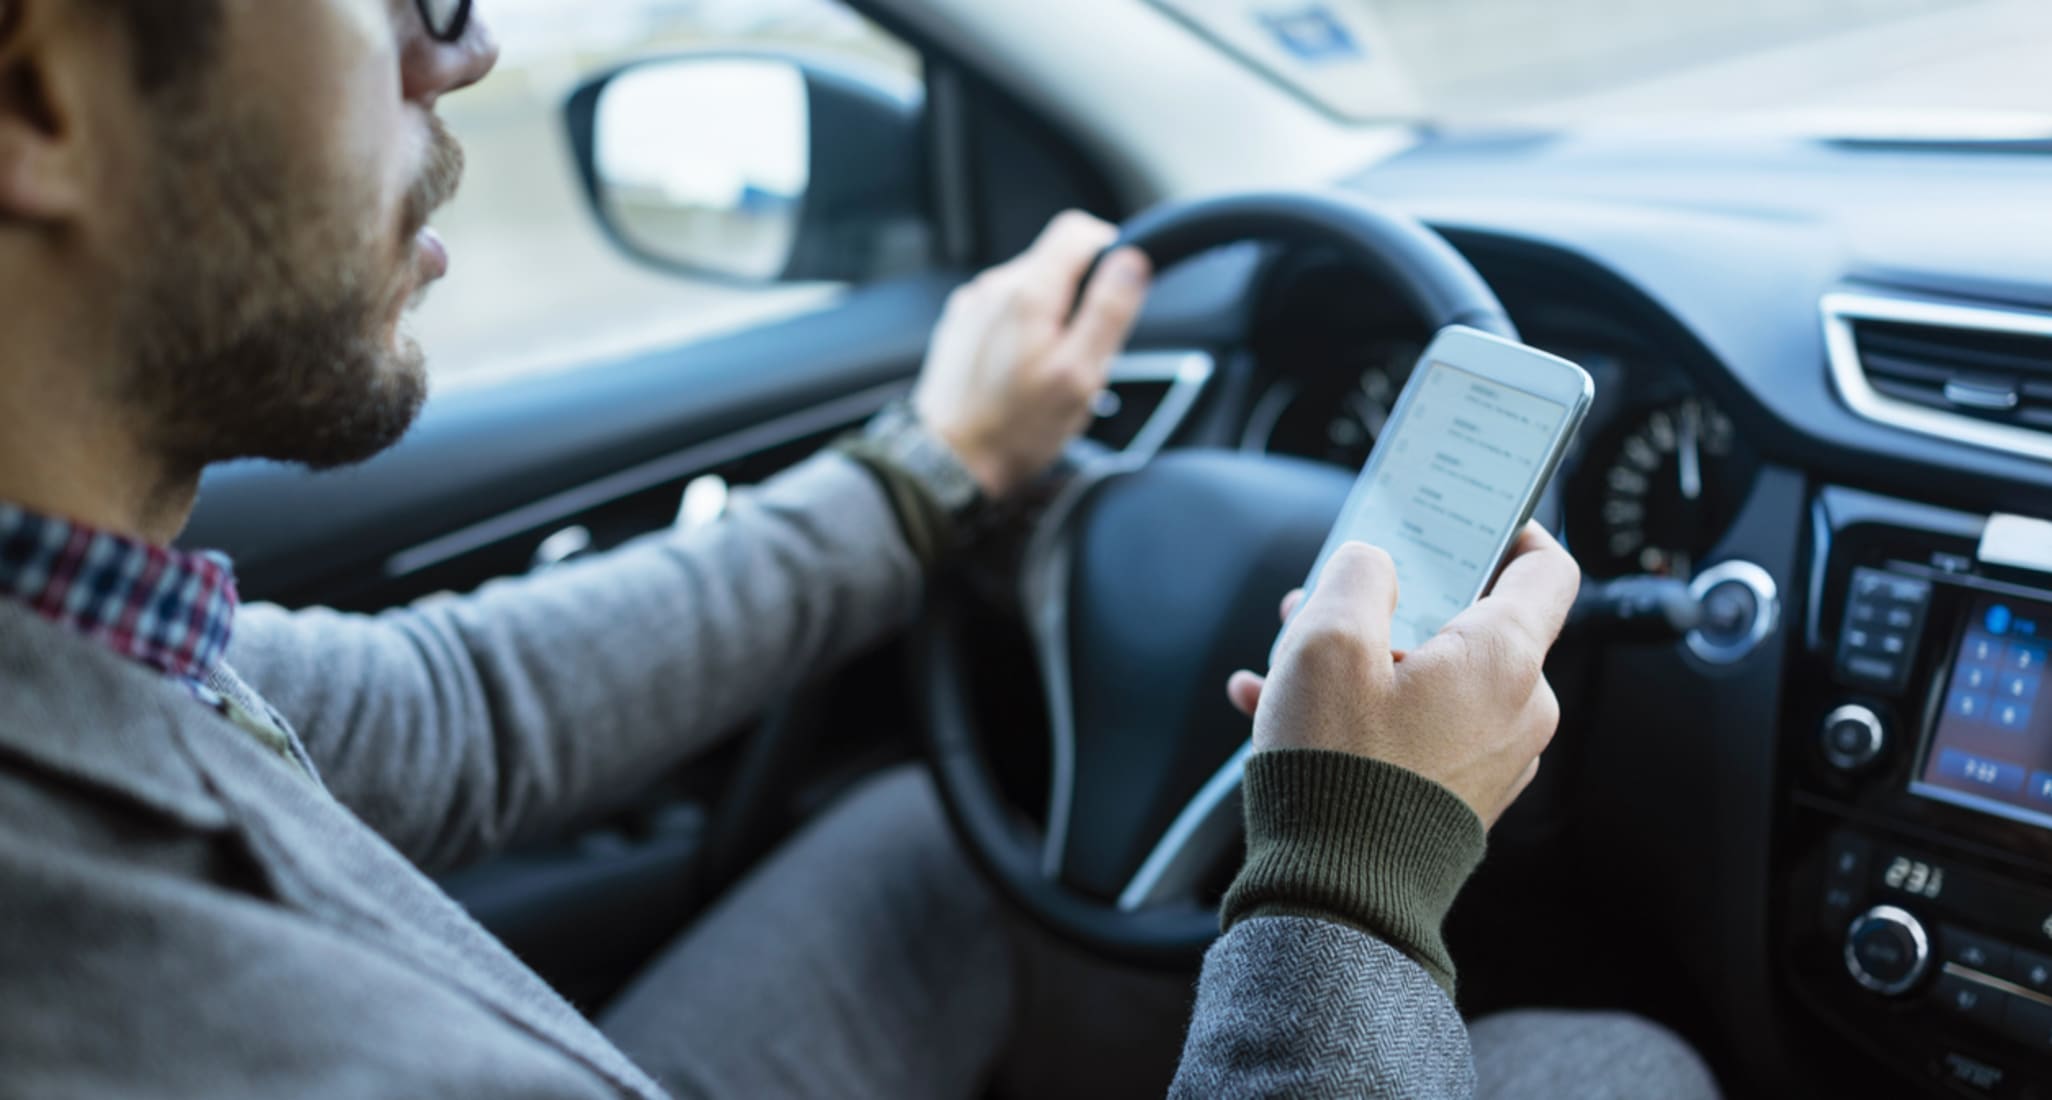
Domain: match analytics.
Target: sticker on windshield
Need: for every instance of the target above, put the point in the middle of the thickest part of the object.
(1336, 53)
(1312, 34)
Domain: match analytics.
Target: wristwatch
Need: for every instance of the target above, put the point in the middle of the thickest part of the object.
(898, 437)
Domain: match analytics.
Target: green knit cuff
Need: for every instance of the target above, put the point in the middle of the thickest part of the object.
(929, 529)
(1347, 839)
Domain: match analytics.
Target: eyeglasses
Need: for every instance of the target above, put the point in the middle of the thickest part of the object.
(446, 19)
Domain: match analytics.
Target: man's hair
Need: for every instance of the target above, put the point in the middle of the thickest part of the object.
(172, 39)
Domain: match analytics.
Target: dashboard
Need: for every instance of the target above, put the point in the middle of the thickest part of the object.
(1831, 834)
(1823, 847)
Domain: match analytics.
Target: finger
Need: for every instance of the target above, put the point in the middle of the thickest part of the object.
(1532, 596)
(1359, 586)
(1111, 304)
(1244, 689)
(1068, 246)
(1291, 603)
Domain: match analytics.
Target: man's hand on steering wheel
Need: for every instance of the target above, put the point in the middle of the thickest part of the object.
(1470, 709)
(1134, 603)
(1011, 374)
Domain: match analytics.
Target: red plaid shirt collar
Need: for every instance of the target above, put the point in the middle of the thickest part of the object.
(168, 609)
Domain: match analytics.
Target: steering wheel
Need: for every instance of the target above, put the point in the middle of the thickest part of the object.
(1144, 585)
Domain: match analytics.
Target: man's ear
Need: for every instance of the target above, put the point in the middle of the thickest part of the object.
(43, 175)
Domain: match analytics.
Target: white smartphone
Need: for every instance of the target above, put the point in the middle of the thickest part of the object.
(1471, 445)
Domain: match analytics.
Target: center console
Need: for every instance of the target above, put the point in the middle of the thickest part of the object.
(1914, 891)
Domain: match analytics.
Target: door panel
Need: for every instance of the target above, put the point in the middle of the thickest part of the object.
(482, 454)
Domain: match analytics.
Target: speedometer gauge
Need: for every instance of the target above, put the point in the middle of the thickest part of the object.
(1668, 483)
(1336, 414)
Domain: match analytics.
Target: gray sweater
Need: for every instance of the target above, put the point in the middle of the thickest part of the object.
(183, 912)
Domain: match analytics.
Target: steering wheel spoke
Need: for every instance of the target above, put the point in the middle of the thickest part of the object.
(1201, 836)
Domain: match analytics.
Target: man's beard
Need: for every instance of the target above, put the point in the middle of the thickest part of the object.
(262, 326)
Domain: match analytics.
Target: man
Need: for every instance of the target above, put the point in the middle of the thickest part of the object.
(212, 215)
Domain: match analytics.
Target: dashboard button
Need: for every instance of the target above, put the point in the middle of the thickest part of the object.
(1977, 1075)
(1845, 877)
(1981, 650)
(1839, 903)
(1974, 951)
(2028, 1022)
(1875, 670)
(2021, 687)
(1884, 616)
(2040, 787)
(1999, 775)
(1909, 591)
(2030, 970)
(1970, 705)
(1846, 858)
(1969, 1000)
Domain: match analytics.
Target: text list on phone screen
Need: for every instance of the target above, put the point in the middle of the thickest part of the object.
(1457, 473)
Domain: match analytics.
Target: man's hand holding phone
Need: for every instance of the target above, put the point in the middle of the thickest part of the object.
(1470, 709)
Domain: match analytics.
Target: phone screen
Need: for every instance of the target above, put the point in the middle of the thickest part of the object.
(1465, 458)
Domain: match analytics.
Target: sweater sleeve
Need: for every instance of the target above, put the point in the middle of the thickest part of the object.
(1332, 979)
(1314, 1010)
(460, 725)
(1356, 841)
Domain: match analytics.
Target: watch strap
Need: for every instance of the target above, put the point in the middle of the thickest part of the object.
(936, 499)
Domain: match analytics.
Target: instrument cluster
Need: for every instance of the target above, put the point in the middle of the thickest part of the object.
(1655, 479)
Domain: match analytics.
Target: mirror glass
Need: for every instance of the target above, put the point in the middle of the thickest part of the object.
(704, 162)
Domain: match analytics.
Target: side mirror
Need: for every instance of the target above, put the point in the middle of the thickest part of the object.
(754, 168)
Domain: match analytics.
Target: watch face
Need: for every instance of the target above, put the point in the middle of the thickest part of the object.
(927, 458)
(944, 474)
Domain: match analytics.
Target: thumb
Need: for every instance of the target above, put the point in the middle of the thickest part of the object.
(1244, 689)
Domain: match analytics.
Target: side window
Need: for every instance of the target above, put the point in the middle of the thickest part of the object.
(534, 283)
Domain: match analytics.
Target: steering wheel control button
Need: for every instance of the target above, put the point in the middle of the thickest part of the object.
(1886, 950)
(1969, 1000)
(1884, 618)
(1741, 608)
(1853, 737)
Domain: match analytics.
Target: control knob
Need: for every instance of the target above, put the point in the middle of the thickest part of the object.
(1853, 737)
(1886, 950)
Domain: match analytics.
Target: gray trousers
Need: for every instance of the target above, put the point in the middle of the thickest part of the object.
(867, 958)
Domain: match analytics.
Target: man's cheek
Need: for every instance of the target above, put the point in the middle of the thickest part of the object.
(330, 71)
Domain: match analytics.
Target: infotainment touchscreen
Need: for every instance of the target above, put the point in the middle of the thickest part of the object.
(1992, 745)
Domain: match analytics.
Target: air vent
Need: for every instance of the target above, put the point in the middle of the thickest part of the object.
(1150, 395)
(1967, 373)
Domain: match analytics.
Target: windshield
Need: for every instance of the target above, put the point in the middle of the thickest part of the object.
(1941, 68)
